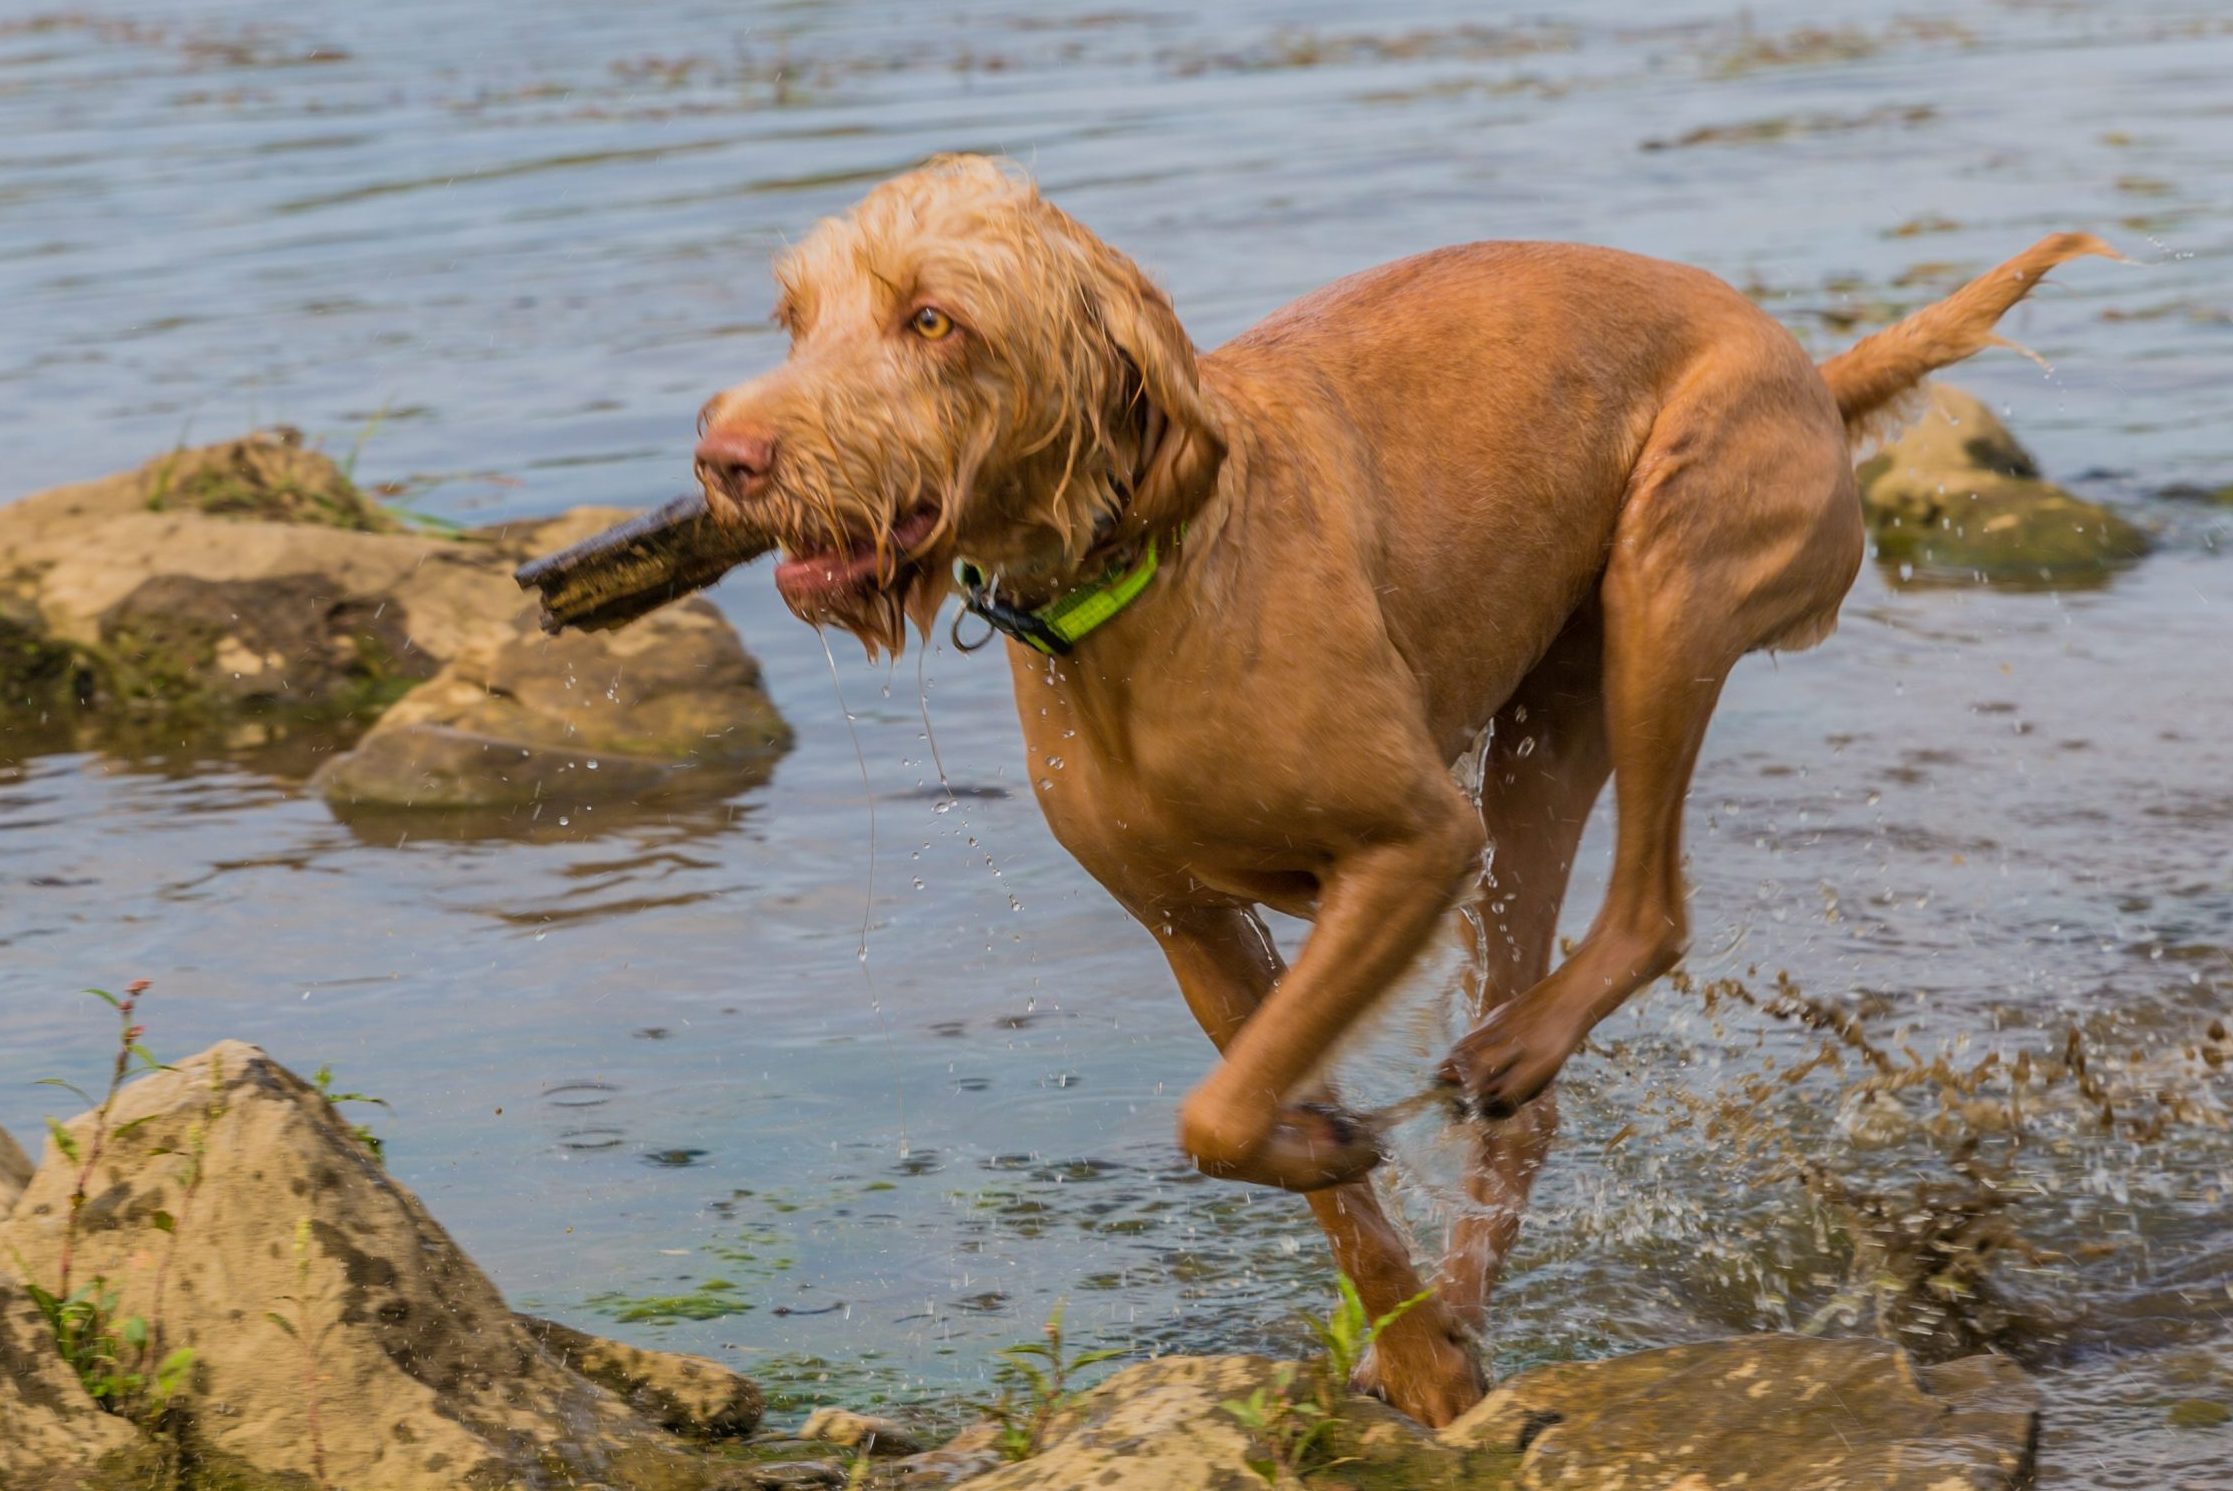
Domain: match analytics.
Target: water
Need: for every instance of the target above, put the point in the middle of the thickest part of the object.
(627, 1058)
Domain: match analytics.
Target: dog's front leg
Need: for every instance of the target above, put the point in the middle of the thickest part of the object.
(1379, 906)
(1424, 1363)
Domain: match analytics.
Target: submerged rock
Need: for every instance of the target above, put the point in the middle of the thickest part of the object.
(1788, 1412)
(1957, 496)
(318, 1292)
(866, 1432)
(248, 590)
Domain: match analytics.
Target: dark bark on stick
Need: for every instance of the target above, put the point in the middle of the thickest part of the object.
(616, 576)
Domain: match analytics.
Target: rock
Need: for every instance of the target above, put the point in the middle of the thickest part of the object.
(251, 575)
(15, 1173)
(2199, 1413)
(1788, 1412)
(671, 704)
(796, 1475)
(1957, 496)
(974, 1451)
(2193, 492)
(1162, 1424)
(52, 1436)
(309, 1281)
(862, 1431)
(686, 1394)
(251, 581)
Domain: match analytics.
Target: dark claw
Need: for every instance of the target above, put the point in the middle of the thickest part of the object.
(1343, 1124)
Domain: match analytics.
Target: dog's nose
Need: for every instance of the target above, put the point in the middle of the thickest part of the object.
(736, 461)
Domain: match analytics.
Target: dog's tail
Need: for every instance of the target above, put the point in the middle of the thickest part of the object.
(1870, 378)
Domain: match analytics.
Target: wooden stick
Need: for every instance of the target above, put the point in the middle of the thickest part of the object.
(613, 577)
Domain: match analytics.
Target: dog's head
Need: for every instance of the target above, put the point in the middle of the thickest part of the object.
(971, 373)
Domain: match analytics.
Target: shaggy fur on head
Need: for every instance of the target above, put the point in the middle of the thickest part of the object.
(1060, 417)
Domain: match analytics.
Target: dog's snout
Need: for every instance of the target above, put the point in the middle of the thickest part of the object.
(736, 461)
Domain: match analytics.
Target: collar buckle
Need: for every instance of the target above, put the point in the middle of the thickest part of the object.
(1027, 627)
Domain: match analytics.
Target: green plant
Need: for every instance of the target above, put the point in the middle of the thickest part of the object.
(119, 1358)
(1034, 1381)
(85, 1157)
(322, 1079)
(112, 1354)
(1289, 1420)
(372, 426)
(1283, 1430)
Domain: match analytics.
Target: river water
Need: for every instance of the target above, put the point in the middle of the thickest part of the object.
(640, 1067)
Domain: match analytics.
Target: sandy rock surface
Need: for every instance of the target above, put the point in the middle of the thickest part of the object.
(15, 1173)
(316, 1289)
(1788, 1412)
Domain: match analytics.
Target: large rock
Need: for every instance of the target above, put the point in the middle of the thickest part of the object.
(249, 589)
(1792, 1412)
(416, 1371)
(52, 1436)
(1787, 1412)
(671, 704)
(1957, 496)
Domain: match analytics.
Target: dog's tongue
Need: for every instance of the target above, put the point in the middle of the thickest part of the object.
(814, 576)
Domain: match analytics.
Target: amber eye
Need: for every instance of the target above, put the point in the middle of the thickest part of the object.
(931, 324)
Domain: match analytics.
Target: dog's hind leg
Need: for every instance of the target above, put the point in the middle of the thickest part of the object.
(1226, 964)
(1543, 766)
(1741, 528)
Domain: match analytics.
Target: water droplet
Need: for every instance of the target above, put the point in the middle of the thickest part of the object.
(1046, 784)
(563, 820)
(1055, 762)
(943, 805)
(592, 766)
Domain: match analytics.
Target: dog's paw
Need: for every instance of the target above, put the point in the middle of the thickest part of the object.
(1508, 1060)
(1422, 1366)
(1310, 1146)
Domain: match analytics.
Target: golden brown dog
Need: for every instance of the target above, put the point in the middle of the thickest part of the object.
(1542, 493)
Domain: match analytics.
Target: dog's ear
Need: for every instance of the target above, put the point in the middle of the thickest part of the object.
(1182, 444)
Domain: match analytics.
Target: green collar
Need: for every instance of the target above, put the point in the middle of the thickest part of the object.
(1053, 628)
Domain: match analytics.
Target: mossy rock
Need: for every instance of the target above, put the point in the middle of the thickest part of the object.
(287, 644)
(270, 476)
(1957, 497)
(1982, 525)
(39, 675)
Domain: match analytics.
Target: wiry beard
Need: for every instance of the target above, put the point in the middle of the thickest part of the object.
(868, 544)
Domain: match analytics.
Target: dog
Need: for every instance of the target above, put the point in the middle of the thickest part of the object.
(1532, 500)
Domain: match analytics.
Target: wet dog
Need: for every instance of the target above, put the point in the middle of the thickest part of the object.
(1260, 600)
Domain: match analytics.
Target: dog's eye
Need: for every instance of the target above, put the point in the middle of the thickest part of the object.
(931, 324)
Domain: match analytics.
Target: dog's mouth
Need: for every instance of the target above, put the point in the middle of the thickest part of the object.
(815, 579)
